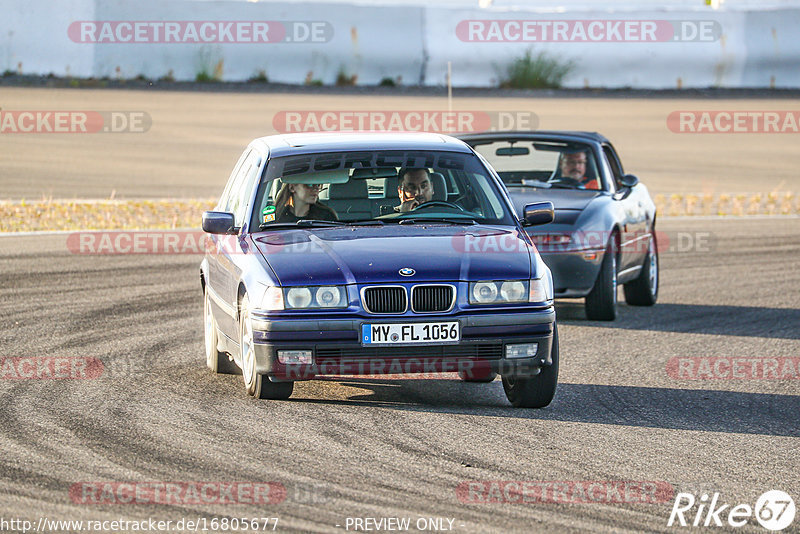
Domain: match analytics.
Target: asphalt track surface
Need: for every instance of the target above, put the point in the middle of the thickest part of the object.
(380, 448)
(197, 136)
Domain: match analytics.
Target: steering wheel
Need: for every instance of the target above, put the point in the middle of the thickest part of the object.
(566, 180)
(439, 203)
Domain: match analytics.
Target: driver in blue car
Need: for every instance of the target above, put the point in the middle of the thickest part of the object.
(415, 188)
(573, 165)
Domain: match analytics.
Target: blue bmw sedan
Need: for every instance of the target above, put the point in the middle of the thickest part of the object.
(373, 254)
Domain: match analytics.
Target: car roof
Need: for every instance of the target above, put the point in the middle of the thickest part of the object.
(561, 135)
(314, 142)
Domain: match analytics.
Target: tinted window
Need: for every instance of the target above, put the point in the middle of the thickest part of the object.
(242, 187)
(381, 185)
(225, 198)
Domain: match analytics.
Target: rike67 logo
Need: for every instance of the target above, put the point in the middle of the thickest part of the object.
(774, 510)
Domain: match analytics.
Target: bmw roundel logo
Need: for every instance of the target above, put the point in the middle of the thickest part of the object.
(407, 271)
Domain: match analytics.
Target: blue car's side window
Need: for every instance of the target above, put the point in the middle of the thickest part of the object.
(224, 200)
(243, 187)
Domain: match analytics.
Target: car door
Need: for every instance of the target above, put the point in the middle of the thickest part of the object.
(215, 277)
(228, 247)
(633, 213)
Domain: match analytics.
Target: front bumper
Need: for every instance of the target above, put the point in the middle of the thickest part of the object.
(336, 347)
(574, 272)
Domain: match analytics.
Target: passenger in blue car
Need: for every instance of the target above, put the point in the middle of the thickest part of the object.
(415, 188)
(295, 202)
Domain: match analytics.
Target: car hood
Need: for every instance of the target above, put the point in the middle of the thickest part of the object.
(562, 199)
(349, 255)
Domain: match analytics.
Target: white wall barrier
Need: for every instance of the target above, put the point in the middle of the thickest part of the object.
(33, 37)
(754, 48)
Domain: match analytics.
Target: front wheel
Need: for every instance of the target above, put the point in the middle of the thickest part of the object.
(601, 303)
(644, 290)
(217, 361)
(257, 385)
(536, 391)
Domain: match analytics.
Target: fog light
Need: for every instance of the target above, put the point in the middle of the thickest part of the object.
(526, 350)
(295, 357)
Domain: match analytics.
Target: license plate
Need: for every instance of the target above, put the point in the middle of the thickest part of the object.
(404, 333)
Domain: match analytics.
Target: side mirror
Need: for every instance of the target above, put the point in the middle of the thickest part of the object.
(538, 213)
(219, 222)
(629, 180)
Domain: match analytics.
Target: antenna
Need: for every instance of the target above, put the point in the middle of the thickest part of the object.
(449, 87)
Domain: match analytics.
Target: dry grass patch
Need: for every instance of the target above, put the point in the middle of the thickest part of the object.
(51, 215)
(70, 215)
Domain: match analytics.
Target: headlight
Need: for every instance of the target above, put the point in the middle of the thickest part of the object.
(511, 291)
(329, 297)
(500, 292)
(483, 292)
(316, 297)
(298, 297)
(272, 299)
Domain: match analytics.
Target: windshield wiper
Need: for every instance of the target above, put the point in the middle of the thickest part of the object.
(562, 186)
(367, 222)
(528, 183)
(415, 220)
(302, 223)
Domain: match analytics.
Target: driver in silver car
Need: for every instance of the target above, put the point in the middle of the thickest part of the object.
(415, 188)
(573, 165)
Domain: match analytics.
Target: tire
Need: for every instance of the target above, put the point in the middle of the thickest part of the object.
(479, 377)
(217, 361)
(536, 391)
(644, 290)
(258, 386)
(601, 302)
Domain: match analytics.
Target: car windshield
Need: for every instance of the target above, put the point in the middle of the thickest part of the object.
(378, 187)
(545, 164)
